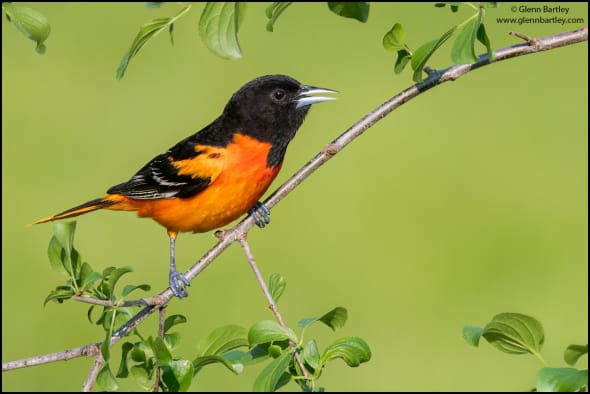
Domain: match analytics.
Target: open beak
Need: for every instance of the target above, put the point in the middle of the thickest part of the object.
(304, 99)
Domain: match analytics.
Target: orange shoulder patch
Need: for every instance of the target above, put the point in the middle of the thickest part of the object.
(209, 163)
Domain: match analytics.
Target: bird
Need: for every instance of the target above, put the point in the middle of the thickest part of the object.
(214, 176)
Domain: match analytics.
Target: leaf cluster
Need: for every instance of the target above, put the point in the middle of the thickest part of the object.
(463, 51)
(232, 346)
(82, 280)
(515, 333)
(220, 22)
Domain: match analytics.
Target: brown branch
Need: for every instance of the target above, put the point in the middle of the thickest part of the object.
(91, 379)
(155, 300)
(86, 351)
(92, 349)
(230, 236)
(161, 321)
(243, 240)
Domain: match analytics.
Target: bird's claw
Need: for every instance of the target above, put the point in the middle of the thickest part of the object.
(260, 213)
(178, 283)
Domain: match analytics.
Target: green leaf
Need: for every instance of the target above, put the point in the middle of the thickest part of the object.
(104, 315)
(138, 353)
(253, 356)
(515, 333)
(273, 11)
(561, 380)
(88, 277)
(352, 350)
(218, 27)
(183, 372)
(222, 340)
(123, 371)
(201, 361)
(30, 22)
(172, 339)
(275, 351)
(472, 334)
(89, 314)
(147, 31)
(161, 352)
(56, 255)
(450, 3)
(267, 331)
(424, 52)
(311, 354)
(403, 57)
(574, 352)
(107, 271)
(336, 318)
(76, 261)
(307, 322)
(484, 39)
(463, 50)
(114, 277)
(64, 233)
(154, 4)
(269, 378)
(108, 323)
(354, 10)
(394, 39)
(173, 320)
(276, 286)
(106, 380)
(141, 376)
(60, 294)
(129, 288)
(171, 32)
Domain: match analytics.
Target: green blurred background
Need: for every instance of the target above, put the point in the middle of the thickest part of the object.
(468, 201)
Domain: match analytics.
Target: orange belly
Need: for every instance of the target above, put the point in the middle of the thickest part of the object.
(242, 182)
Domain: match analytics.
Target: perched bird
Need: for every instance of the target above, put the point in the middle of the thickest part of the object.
(219, 173)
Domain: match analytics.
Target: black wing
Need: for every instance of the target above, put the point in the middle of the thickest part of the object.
(160, 177)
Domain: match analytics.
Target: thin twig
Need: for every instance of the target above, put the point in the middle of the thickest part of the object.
(91, 379)
(532, 41)
(243, 240)
(89, 350)
(229, 236)
(155, 300)
(161, 321)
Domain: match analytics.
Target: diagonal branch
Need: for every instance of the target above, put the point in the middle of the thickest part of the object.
(161, 323)
(93, 375)
(243, 240)
(435, 78)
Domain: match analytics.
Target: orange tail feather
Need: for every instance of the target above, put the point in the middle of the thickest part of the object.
(89, 206)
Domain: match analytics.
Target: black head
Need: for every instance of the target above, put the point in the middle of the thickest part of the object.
(271, 108)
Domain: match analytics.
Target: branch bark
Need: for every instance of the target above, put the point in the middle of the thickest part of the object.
(243, 240)
(93, 375)
(434, 79)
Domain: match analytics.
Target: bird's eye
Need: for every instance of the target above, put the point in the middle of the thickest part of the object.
(278, 94)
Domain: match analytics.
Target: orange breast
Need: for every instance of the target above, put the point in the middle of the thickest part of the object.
(242, 181)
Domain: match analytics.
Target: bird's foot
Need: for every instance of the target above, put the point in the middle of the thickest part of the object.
(260, 213)
(178, 283)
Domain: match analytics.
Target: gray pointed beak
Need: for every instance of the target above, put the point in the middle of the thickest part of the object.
(304, 98)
